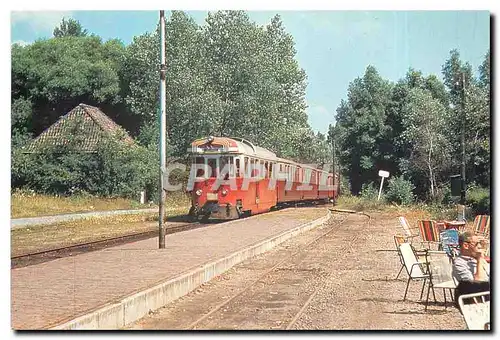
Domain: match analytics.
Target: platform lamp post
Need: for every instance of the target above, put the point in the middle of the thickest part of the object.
(462, 191)
(460, 179)
(334, 168)
(163, 130)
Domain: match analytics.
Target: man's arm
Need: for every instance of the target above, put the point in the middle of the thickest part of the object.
(480, 274)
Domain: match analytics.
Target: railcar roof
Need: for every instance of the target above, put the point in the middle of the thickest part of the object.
(243, 146)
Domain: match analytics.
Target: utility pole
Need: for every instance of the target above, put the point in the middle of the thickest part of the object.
(333, 159)
(163, 130)
(462, 191)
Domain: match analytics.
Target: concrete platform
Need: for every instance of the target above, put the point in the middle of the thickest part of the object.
(110, 288)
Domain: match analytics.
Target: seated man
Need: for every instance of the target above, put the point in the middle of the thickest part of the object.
(470, 269)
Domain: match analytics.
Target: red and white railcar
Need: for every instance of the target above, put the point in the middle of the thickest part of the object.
(231, 177)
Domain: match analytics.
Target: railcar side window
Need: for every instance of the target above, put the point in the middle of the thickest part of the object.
(238, 173)
(222, 164)
(226, 161)
(252, 167)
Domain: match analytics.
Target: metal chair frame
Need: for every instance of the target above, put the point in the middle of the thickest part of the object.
(433, 275)
(468, 318)
(411, 263)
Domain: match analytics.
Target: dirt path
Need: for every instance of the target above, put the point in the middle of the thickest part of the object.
(338, 282)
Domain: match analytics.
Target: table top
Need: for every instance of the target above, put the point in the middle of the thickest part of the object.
(452, 224)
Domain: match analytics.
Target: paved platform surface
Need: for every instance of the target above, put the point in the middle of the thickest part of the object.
(47, 294)
(16, 223)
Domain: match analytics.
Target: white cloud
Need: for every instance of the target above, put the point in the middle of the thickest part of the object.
(21, 42)
(41, 22)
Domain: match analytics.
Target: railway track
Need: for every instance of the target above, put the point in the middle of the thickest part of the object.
(29, 259)
(268, 275)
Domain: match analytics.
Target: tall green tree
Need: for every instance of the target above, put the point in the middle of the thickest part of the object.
(70, 28)
(400, 148)
(362, 129)
(425, 127)
(259, 84)
(229, 77)
(469, 99)
(57, 74)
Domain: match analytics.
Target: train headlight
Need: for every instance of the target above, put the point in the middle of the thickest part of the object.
(224, 192)
(198, 192)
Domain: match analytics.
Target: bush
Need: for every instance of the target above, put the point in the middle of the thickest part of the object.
(478, 199)
(113, 170)
(369, 191)
(440, 212)
(400, 191)
(345, 187)
(443, 195)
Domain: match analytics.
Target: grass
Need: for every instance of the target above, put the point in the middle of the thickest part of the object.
(30, 204)
(413, 213)
(38, 238)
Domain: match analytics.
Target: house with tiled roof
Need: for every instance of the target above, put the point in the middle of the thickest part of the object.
(85, 121)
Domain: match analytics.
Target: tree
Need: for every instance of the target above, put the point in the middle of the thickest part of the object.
(484, 72)
(259, 86)
(57, 74)
(69, 28)
(362, 129)
(229, 77)
(425, 126)
(473, 96)
(20, 121)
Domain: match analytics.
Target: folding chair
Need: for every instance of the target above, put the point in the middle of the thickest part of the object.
(407, 229)
(428, 232)
(482, 225)
(415, 269)
(399, 240)
(476, 310)
(440, 274)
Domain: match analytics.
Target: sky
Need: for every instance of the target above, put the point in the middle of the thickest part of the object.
(333, 47)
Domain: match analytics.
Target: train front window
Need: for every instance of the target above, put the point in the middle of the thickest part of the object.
(199, 160)
(212, 166)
